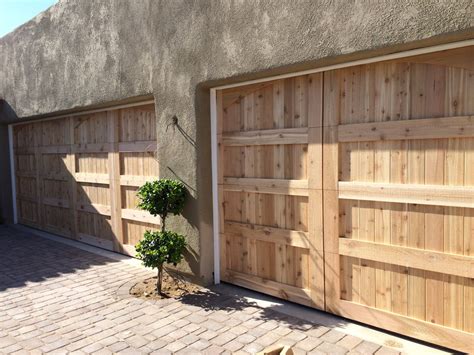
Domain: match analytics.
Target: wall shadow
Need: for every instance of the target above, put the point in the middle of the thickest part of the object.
(28, 259)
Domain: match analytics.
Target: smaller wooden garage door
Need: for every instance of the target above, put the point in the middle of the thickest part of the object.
(270, 188)
(77, 176)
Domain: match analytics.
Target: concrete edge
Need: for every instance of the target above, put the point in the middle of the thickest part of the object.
(344, 325)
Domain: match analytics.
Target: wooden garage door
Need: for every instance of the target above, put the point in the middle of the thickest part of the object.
(399, 196)
(77, 176)
(270, 188)
(396, 173)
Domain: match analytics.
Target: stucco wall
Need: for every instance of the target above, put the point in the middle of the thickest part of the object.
(85, 53)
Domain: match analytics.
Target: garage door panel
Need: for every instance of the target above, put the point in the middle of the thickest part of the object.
(26, 187)
(95, 225)
(88, 193)
(134, 230)
(91, 128)
(278, 211)
(55, 132)
(56, 189)
(28, 212)
(54, 165)
(74, 164)
(265, 161)
(434, 297)
(138, 163)
(57, 219)
(278, 104)
(137, 124)
(269, 236)
(25, 164)
(92, 163)
(386, 179)
(399, 130)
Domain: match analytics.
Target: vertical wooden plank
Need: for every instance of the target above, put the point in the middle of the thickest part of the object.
(399, 227)
(367, 225)
(469, 234)
(454, 235)
(315, 158)
(282, 93)
(315, 185)
(37, 129)
(71, 167)
(331, 118)
(382, 217)
(434, 229)
(316, 250)
(416, 232)
(114, 176)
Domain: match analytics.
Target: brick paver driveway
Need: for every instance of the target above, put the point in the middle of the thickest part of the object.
(57, 298)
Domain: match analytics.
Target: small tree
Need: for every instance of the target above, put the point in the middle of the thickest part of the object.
(161, 198)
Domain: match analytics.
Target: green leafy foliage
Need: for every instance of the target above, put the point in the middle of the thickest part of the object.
(162, 197)
(158, 248)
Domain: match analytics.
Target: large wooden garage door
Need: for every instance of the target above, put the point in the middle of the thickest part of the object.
(397, 180)
(270, 188)
(399, 196)
(77, 176)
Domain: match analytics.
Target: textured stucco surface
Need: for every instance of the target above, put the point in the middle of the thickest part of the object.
(84, 53)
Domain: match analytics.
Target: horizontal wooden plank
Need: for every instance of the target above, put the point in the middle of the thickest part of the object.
(445, 127)
(56, 202)
(26, 198)
(430, 332)
(437, 195)
(139, 146)
(98, 242)
(140, 216)
(28, 222)
(103, 210)
(452, 264)
(256, 283)
(270, 186)
(55, 149)
(24, 150)
(93, 178)
(49, 149)
(56, 230)
(129, 249)
(268, 234)
(267, 137)
(54, 176)
(92, 148)
(26, 174)
(132, 180)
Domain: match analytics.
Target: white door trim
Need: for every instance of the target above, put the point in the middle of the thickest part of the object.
(215, 188)
(12, 173)
(213, 92)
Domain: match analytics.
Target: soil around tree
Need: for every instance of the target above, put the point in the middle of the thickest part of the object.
(172, 287)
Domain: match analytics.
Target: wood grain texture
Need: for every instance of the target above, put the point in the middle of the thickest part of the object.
(398, 197)
(81, 173)
(271, 230)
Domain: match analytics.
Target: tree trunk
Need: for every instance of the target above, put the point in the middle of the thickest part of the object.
(163, 220)
(160, 279)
